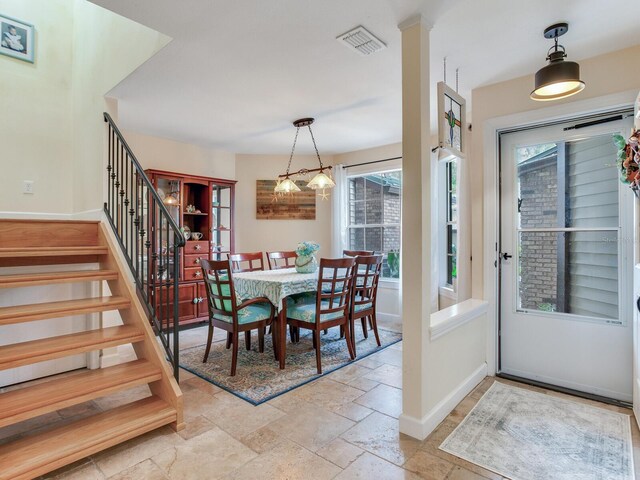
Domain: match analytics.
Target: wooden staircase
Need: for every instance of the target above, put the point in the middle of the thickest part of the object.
(48, 242)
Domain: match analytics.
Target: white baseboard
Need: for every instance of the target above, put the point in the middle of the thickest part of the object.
(389, 317)
(85, 215)
(110, 359)
(421, 428)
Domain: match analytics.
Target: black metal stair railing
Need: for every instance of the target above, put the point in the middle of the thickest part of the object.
(149, 237)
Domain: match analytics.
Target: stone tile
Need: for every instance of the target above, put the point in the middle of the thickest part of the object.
(312, 427)
(146, 470)
(353, 411)
(459, 473)
(387, 374)
(390, 356)
(462, 409)
(196, 402)
(429, 466)
(349, 373)
(384, 399)
(262, 440)
(327, 393)
(439, 435)
(287, 461)
(289, 402)
(370, 362)
(237, 417)
(368, 467)
(79, 411)
(378, 434)
(185, 375)
(196, 426)
(212, 455)
(116, 459)
(87, 471)
(202, 385)
(340, 452)
(363, 384)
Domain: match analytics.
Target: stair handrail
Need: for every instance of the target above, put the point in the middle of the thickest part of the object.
(156, 270)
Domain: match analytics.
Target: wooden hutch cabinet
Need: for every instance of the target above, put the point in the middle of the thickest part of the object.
(204, 208)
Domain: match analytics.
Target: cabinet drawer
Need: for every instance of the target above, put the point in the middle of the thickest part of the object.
(191, 261)
(192, 248)
(192, 274)
(185, 293)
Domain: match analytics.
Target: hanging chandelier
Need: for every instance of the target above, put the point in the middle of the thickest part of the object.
(321, 181)
(560, 78)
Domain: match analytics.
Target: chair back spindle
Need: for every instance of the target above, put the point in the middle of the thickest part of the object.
(288, 259)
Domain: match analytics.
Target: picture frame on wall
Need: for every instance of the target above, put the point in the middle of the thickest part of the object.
(17, 39)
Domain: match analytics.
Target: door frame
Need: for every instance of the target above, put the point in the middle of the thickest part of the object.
(491, 170)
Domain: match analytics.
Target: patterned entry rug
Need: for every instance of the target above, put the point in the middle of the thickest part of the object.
(258, 377)
(526, 435)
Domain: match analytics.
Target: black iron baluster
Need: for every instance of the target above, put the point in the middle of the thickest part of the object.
(149, 238)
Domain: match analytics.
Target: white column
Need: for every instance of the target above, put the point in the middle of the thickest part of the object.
(416, 222)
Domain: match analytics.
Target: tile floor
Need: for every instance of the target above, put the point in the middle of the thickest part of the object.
(343, 426)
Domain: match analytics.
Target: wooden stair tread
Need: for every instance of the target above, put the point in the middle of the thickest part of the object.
(37, 454)
(35, 351)
(31, 279)
(13, 252)
(56, 394)
(39, 311)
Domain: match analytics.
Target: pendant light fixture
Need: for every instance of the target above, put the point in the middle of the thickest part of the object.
(560, 78)
(320, 181)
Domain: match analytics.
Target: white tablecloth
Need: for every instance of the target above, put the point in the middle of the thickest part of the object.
(275, 285)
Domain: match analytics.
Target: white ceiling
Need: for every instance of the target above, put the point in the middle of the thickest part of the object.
(238, 72)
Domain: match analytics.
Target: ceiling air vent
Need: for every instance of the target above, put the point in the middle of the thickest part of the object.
(362, 40)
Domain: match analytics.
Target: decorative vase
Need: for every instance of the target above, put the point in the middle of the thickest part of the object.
(306, 264)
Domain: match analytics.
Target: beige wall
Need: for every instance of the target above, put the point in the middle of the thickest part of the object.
(254, 235)
(52, 132)
(163, 154)
(604, 75)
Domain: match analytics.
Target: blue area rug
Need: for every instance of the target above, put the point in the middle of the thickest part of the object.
(258, 376)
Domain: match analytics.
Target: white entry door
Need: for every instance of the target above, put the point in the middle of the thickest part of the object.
(566, 259)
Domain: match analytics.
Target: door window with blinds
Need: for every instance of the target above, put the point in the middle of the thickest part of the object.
(568, 227)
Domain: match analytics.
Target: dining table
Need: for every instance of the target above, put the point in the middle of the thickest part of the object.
(275, 285)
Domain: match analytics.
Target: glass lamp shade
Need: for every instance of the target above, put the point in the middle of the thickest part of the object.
(321, 181)
(286, 186)
(170, 200)
(559, 79)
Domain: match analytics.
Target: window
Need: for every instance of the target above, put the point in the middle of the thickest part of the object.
(374, 217)
(452, 222)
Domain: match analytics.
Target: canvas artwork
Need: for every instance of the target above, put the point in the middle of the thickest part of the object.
(17, 39)
(296, 206)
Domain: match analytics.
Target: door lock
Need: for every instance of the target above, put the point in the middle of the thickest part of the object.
(506, 256)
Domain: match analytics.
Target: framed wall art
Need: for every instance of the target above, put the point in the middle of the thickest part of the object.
(17, 39)
(273, 206)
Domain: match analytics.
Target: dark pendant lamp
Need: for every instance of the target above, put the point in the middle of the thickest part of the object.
(559, 79)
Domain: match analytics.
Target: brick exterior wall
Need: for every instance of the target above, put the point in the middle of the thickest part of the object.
(538, 255)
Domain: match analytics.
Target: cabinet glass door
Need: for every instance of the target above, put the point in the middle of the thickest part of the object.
(221, 221)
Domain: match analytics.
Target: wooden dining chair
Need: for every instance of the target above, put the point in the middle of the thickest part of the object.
(246, 262)
(363, 295)
(356, 253)
(225, 313)
(330, 307)
(288, 258)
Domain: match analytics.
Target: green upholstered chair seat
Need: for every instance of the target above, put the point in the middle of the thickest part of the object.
(304, 310)
(252, 313)
(363, 306)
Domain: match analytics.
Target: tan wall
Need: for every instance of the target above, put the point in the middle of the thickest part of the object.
(254, 235)
(35, 125)
(52, 131)
(164, 154)
(606, 74)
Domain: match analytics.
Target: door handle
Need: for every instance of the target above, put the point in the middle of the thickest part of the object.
(506, 256)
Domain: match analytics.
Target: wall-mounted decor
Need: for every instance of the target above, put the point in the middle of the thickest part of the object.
(273, 206)
(17, 39)
(451, 121)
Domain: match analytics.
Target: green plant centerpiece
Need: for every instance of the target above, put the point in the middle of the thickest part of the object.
(629, 159)
(306, 261)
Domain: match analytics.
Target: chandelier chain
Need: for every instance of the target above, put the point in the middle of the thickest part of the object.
(315, 146)
(292, 150)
